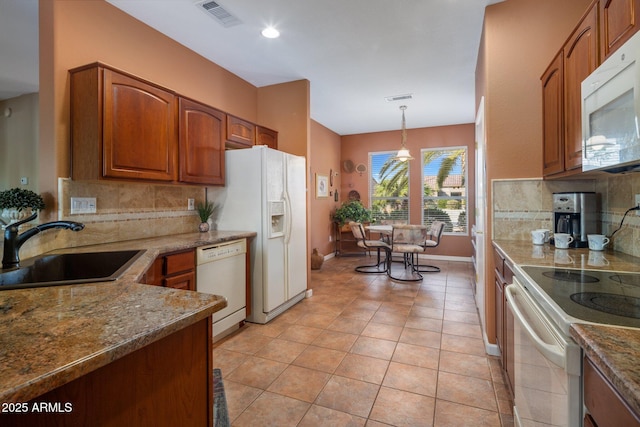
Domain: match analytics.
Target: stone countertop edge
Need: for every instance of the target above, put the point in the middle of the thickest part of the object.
(615, 351)
(50, 336)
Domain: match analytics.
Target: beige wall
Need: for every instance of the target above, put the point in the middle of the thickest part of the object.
(519, 40)
(357, 148)
(325, 158)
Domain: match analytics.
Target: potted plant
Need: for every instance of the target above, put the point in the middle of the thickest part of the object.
(18, 203)
(205, 210)
(352, 210)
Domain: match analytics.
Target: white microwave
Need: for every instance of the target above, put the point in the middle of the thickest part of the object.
(610, 112)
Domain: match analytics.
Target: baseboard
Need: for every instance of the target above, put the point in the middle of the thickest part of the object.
(329, 256)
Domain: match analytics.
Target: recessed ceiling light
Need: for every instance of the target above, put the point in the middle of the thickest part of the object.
(271, 33)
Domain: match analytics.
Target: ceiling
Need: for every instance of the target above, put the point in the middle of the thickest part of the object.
(355, 53)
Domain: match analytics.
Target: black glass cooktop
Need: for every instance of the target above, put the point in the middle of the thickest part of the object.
(596, 296)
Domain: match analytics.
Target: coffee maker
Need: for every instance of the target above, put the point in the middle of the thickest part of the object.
(576, 214)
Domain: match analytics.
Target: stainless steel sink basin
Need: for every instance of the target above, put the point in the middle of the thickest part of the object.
(68, 268)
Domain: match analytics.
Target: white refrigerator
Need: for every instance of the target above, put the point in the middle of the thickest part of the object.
(265, 192)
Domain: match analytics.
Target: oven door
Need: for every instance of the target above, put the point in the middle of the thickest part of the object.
(547, 390)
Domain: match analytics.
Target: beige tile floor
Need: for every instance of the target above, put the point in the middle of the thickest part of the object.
(365, 350)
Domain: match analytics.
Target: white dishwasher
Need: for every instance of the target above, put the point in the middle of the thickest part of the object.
(222, 271)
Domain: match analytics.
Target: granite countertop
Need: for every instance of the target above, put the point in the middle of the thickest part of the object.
(614, 350)
(50, 336)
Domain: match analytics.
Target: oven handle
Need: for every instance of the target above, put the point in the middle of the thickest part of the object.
(554, 353)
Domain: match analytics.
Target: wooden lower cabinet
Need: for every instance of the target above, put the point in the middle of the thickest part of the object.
(166, 383)
(503, 275)
(605, 407)
(175, 270)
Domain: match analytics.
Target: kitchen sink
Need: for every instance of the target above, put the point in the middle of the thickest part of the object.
(68, 268)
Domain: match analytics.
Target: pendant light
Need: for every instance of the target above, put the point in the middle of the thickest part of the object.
(403, 154)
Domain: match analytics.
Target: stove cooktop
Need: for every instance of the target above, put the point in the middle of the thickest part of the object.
(597, 296)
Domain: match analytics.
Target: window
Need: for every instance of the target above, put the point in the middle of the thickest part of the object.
(389, 188)
(444, 192)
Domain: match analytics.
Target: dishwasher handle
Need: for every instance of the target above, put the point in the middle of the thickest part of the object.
(554, 353)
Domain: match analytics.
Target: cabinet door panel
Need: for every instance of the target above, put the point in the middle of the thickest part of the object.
(240, 133)
(268, 137)
(202, 131)
(139, 129)
(618, 22)
(553, 118)
(580, 60)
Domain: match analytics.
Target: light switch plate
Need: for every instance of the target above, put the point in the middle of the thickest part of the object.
(83, 205)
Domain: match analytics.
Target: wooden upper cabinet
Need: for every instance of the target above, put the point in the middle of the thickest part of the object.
(121, 126)
(240, 133)
(266, 136)
(201, 143)
(619, 20)
(553, 118)
(580, 60)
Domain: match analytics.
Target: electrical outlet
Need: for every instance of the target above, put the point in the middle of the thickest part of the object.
(637, 203)
(83, 205)
(191, 204)
(330, 238)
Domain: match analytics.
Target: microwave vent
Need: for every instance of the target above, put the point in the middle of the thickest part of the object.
(217, 12)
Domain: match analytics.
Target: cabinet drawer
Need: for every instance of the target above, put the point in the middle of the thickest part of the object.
(184, 281)
(179, 262)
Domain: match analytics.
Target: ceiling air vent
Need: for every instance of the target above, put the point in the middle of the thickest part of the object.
(218, 13)
(399, 97)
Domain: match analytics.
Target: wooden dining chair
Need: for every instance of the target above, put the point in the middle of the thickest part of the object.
(433, 239)
(378, 245)
(407, 240)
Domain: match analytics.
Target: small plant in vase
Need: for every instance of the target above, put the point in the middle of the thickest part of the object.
(205, 210)
(18, 204)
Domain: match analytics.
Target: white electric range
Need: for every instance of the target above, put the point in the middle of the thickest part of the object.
(544, 302)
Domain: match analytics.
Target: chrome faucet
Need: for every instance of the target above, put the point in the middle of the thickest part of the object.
(14, 241)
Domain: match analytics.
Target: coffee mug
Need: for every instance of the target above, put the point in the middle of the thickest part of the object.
(537, 237)
(597, 242)
(546, 234)
(562, 240)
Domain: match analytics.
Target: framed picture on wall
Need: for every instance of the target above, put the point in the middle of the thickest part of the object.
(322, 186)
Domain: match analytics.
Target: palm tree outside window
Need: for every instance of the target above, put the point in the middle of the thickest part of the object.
(389, 188)
(444, 195)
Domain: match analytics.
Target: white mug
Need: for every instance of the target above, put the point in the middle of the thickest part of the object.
(537, 237)
(546, 234)
(597, 242)
(562, 240)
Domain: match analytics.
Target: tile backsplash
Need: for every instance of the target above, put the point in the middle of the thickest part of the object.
(522, 205)
(125, 211)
